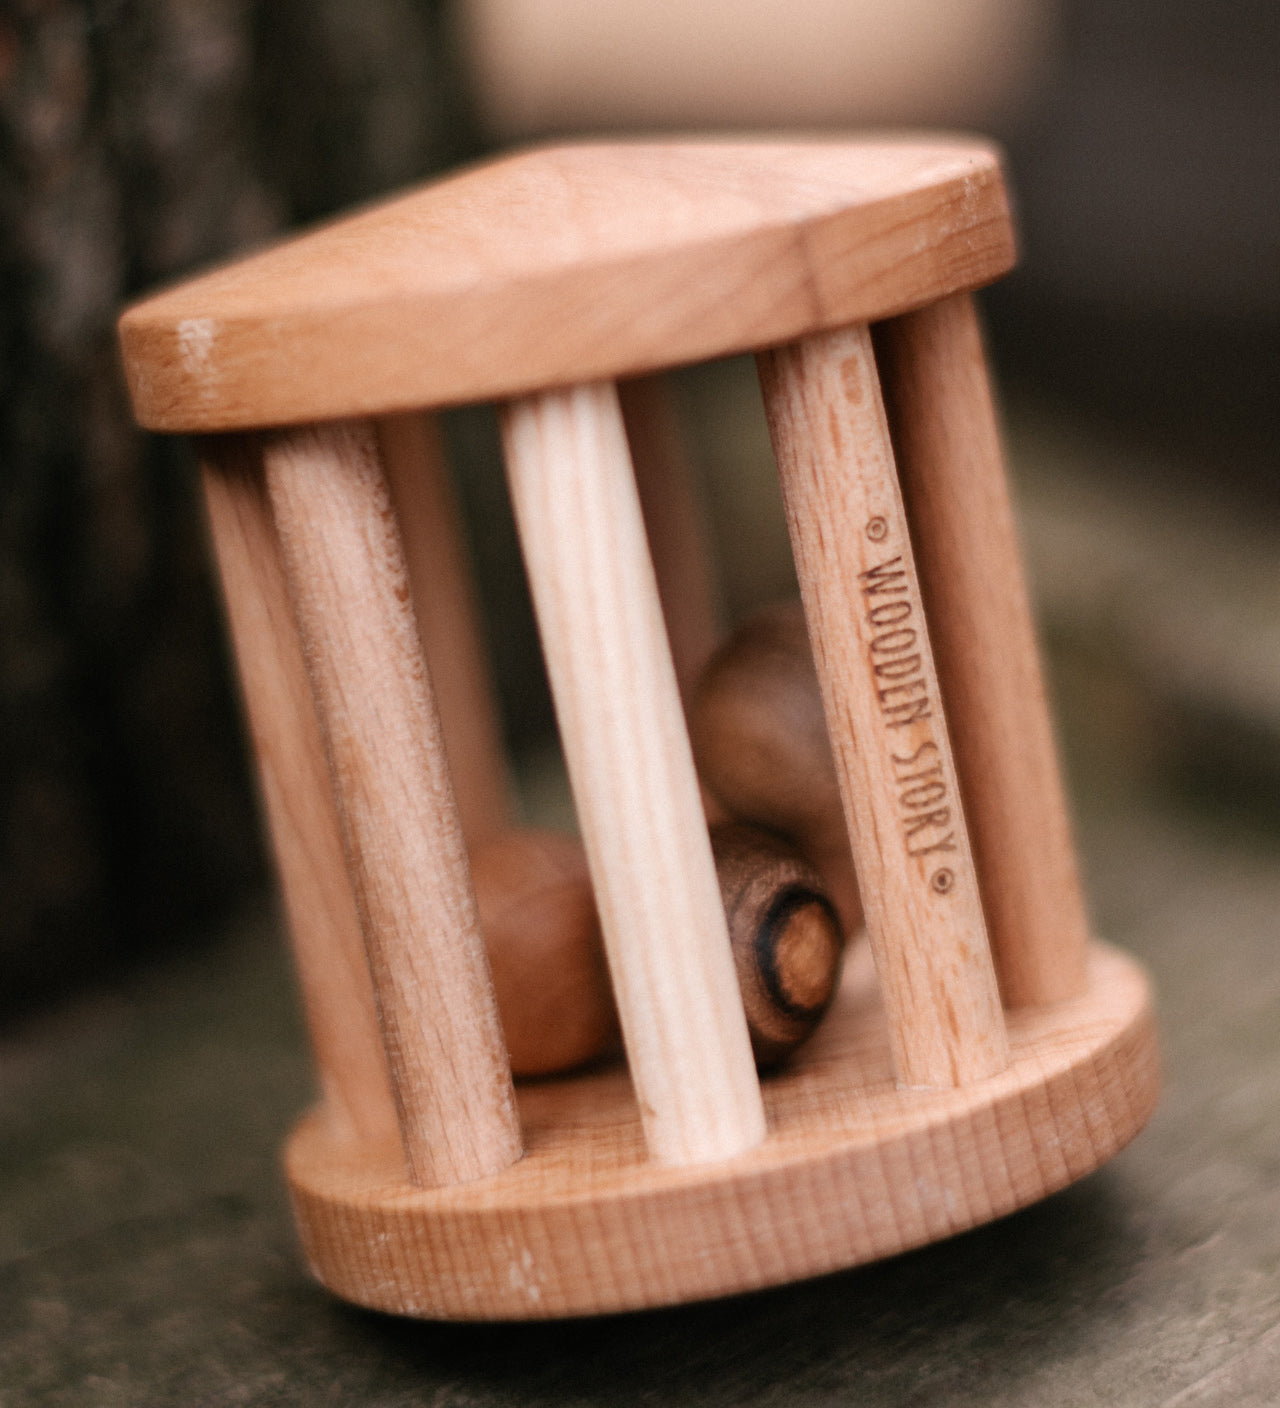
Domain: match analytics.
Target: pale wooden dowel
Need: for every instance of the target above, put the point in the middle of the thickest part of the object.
(945, 432)
(880, 693)
(632, 773)
(346, 572)
(674, 526)
(448, 620)
(297, 796)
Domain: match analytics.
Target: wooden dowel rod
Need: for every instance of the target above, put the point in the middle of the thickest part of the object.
(297, 797)
(444, 601)
(347, 578)
(945, 432)
(632, 774)
(880, 693)
(673, 524)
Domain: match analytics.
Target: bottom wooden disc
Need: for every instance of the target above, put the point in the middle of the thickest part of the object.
(854, 1168)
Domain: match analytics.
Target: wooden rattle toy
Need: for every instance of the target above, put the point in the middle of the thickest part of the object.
(999, 1054)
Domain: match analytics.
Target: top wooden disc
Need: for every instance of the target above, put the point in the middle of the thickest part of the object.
(569, 264)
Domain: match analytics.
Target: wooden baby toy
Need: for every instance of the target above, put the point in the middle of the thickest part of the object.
(999, 1054)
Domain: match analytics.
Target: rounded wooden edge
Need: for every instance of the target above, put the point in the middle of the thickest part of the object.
(854, 1169)
(340, 323)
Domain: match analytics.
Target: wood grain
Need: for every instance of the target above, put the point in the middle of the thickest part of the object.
(948, 447)
(444, 602)
(347, 578)
(855, 1168)
(632, 773)
(297, 796)
(884, 712)
(565, 265)
(673, 525)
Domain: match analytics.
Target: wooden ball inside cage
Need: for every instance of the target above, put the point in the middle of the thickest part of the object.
(998, 1054)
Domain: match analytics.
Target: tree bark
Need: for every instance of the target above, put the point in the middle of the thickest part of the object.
(141, 139)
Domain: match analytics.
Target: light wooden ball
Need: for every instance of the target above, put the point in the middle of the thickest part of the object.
(760, 740)
(540, 926)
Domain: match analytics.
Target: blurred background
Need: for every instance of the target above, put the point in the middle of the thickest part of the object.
(150, 1051)
(1138, 347)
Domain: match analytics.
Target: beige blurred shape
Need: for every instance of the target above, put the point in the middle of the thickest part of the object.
(545, 66)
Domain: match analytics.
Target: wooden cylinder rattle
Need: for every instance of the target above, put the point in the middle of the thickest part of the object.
(425, 1182)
